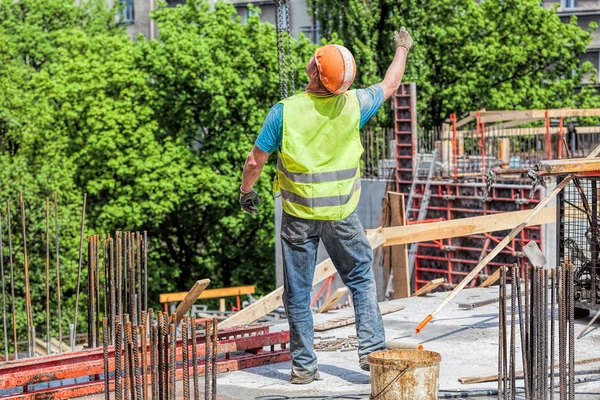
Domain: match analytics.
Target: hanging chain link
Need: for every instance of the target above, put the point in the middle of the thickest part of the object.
(283, 84)
(290, 44)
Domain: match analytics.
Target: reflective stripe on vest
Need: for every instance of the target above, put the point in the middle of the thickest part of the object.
(318, 169)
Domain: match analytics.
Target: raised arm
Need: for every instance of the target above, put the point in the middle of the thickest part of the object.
(393, 76)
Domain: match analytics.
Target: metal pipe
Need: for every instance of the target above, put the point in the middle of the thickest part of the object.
(80, 260)
(58, 290)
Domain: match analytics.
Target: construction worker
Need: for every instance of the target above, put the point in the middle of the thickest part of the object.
(317, 137)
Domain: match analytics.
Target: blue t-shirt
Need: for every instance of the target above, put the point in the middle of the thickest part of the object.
(269, 138)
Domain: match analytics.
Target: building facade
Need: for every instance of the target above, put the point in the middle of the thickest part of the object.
(136, 14)
(587, 12)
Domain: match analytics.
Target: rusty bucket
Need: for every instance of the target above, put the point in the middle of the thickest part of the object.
(404, 374)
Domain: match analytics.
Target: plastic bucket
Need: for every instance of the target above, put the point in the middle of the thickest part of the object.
(404, 374)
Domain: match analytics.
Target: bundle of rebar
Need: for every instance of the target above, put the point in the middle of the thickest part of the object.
(124, 285)
(157, 338)
(544, 293)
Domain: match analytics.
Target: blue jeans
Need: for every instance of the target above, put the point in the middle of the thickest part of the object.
(352, 256)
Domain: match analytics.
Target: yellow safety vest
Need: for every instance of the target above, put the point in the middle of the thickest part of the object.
(318, 168)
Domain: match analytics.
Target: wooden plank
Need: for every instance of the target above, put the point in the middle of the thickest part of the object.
(332, 300)
(209, 293)
(491, 279)
(399, 254)
(431, 285)
(271, 301)
(492, 130)
(347, 318)
(574, 165)
(191, 298)
(464, 226)
(509, 115)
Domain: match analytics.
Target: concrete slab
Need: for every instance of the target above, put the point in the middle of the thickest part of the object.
(466, 339)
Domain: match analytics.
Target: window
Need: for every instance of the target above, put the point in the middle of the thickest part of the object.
(570, 3)
(127, 15)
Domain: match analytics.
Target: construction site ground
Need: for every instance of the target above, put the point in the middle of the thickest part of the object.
(466, 339)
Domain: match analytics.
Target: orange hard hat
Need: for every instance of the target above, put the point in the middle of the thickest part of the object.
(336, 67)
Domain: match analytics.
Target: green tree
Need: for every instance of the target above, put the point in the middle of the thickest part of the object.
(154, 131)
(468, 55)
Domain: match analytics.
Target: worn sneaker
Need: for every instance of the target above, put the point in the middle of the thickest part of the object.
(363, 361)
(302, 379)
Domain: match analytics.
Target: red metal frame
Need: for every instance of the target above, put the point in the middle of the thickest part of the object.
(405, 114)
(548, 136)
(90, 363)
(454, 145)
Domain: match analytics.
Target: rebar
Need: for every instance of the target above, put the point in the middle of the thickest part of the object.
(500, 337)
(172, 362)
(144, 355)
(138, 250)
(513, 361)
(545, 334)
(127, 367)
(48, 351)
(185, 359)
(207, 361)
(504, 334)
(522, 334)
(154, 348)
(105, 343)
(132, 294)
(132, 363)
(80, 260)
(105, 279)
(112, 271)
(136, 364)
(145, 280)
(165, 339)
(214, 360)
(58, 289)
(552, 330)
(12, 279)
(562, 335)
(3, 294)
(195, 358)
(97, 321)
(91, 296)
(30, 342)
(571, 300)
(161, 355)
(118, 337)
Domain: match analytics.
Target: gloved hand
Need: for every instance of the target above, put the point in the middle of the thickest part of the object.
(402, 38)
(249, 201)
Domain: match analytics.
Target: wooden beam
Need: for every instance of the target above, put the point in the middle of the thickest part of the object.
(510, 115)
(511, 124)
(399, 254)
(574, 165)
(431, 285)
(210, 293)
(332, 300)
(491, 279)
(492, 130)
(271, 301)
(190, 299)
(464, 226)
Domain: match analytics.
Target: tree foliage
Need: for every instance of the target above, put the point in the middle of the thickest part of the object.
(154, 131)
(468, 55)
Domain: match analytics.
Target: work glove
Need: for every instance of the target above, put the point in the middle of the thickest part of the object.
(402, 38)
(249, 201)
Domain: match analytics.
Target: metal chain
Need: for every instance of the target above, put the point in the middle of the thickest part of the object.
(283, 84)
(290, 44)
